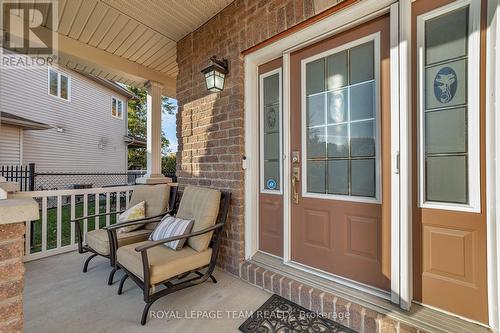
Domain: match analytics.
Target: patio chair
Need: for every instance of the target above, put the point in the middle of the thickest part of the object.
(160, 199)
(151, 264)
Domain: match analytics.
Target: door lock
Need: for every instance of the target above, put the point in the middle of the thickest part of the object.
(295, 176)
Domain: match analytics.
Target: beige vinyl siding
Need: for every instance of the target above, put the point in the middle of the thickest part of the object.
(86, 120)
(10, 145)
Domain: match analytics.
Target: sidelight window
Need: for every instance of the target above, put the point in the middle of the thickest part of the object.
(271, 132)
(340, 122)
(448, 107)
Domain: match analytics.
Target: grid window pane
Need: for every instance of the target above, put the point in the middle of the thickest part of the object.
(446, 179)
(340, 123)
(271, 89)
(446, 131)
(446, 84)
(113, 107)
(272, 175)
(64, 87)
(53, 83)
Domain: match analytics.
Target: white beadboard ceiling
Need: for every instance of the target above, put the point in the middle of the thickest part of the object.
(142, 31)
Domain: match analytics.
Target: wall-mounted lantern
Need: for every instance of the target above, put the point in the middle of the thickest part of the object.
(215, 74)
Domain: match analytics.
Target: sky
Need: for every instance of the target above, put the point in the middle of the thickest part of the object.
(168, 126)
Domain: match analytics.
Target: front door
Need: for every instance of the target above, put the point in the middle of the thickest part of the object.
(340, 142)
(449, 220)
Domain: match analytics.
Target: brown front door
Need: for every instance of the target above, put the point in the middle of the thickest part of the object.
(340, 140)
(449, 222)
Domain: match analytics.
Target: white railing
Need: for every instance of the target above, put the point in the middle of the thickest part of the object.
(58, 207)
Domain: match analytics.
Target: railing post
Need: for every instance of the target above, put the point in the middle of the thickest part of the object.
(32, 176)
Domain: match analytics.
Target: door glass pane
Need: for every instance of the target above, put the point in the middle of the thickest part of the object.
(315, 77)
(338, 141)
(271, 146)
(337, 106)
(340, 123)
(337, 70)
(446, 131)
(362, 101)
(446, 179)
(316, 176)
(446, 84)
(53, 82)
(444, 114)
(362, 139)
(316, 109)
(363, 177)
(338, 177)
(361, 63)
(272, 175)
(316, 142)
(445, 36)
(271, 118)
(271, 89)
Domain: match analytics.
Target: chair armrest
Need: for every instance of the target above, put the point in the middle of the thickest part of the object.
(143, 220)
(174, 238)
(95, 215)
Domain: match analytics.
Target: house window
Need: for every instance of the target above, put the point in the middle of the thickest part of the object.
(59, 84)
(449, 107)
(340, 122)
(117, 107)
(271, 132)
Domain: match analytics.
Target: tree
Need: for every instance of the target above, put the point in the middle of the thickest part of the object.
(137, 118)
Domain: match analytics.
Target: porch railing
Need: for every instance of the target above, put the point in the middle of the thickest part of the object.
(53, 233)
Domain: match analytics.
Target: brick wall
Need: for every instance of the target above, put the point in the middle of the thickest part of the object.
(11, 277)
(210, 127)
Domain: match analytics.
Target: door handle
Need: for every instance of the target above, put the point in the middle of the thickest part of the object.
(295, 180)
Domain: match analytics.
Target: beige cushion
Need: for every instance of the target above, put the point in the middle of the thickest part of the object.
(164, 262)
(157, 198)
(201, 205)
(99, 241)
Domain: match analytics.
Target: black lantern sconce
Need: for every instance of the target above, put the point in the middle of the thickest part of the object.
(215, 74)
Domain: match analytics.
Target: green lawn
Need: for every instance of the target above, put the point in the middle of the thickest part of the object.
(66, 225)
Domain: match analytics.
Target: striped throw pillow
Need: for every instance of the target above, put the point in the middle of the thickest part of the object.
(169, 227)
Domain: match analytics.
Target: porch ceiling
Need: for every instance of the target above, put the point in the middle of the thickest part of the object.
(130, 41)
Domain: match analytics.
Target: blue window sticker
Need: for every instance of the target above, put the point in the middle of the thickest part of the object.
(445, 84)
(271, 184)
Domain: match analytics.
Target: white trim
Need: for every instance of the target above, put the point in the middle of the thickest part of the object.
(261, 130)
(375, 37)
(340, 279)
(492, 167)
(118, 99)
(405, 159)
(395, 195)
(473, 105)
(287, 168)
(59, 74)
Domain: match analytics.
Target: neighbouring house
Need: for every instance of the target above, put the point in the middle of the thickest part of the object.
(84, 121)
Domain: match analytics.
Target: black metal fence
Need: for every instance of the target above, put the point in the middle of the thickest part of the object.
(31, 180)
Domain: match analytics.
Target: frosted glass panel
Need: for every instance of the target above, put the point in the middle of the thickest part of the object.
(362, 98)
(271, 118)
(361, 63)
(363, 177)
(271, 89)
(446, 131)
(446, 84)
(338, 177)
(272, 175)
(271, 146)
(337, 106)
(316, 180)
(316, 142)
(338, 141)
(362, 139)
(447, 179)
(316, 110)
(446, 36)
(315, 76)
(337, 70)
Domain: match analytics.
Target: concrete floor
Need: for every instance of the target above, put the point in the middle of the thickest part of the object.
(60, 298)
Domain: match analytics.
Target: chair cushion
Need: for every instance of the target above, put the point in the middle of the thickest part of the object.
(156, 196)
(201, 205)
(99, 241)
(164, 262)
(171, 226)
(135, 212)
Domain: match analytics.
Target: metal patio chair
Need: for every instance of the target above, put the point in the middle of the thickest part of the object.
(151, 264)
(160, 199)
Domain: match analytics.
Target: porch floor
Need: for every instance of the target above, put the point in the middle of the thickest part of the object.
(58, 297)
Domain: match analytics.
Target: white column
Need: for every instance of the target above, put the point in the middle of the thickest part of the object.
(153, 175)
